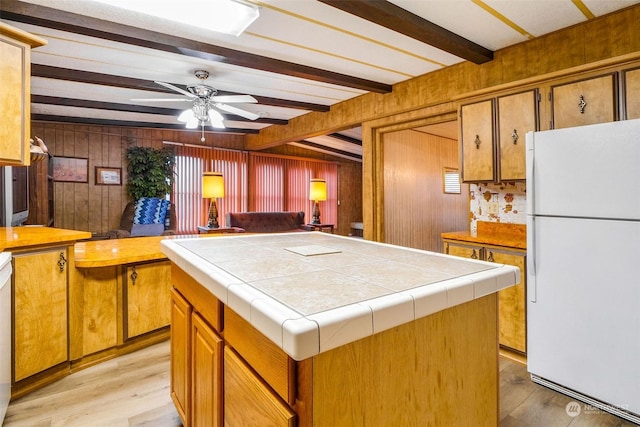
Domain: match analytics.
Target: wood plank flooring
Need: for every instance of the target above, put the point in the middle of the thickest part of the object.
(133, 390)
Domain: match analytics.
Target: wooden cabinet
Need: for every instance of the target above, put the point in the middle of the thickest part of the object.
(15, 94)
(493, 137)
(147, 297)
(248, 400)
(584, 102)
(180, 354)
(40, 310)
(477, 131)
(631, 95)
(512, 301)
(100, 319)
(206, 375)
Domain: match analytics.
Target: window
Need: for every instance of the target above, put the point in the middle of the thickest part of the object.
(451, 183)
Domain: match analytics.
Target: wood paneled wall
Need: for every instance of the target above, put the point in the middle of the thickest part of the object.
(416, 210)
(98, 208)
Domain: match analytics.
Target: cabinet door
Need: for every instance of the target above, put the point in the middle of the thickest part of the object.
(477, 141)
(584, 102)
(206, 375)
(40, 307)
(248, 400)
(463, 251)
(517, 115)
(632, 93)
(148, 297)
(100, 309)
(181, 355)
(15, 72)
(512, 304)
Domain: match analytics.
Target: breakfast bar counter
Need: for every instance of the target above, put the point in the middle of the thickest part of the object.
(365, 332)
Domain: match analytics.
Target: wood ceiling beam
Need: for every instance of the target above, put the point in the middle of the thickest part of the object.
(137, 124)
(66, 21)
(397, 19)
(58, 73)
(129, 108)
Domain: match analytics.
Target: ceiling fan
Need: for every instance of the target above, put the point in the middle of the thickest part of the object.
(205, 103)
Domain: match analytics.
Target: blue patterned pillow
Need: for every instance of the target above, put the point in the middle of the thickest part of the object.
(150, 210)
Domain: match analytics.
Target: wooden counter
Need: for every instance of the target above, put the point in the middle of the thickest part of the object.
(21, 237)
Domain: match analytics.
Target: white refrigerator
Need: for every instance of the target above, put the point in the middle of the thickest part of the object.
(583, 264)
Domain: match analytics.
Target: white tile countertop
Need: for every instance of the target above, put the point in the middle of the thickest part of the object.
(312, 292)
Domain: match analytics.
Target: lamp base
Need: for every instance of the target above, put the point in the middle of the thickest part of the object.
(213, 215)
(315, 220)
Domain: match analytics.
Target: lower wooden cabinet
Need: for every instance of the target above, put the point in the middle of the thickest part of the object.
(40, 310)
(512, 320)
(206, 375)
(180, 354)
(147, 296)
(248, 400)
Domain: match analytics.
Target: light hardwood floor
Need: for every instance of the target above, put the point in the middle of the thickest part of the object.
(133, 390)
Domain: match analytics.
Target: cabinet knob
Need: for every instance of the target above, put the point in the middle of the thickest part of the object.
(474, 255)
(490, 257)
(581, 104)
(477, 141)
(514, 136)
(62, 261)
(134, 275)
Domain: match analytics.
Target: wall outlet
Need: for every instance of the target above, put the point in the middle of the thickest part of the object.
(493, 208)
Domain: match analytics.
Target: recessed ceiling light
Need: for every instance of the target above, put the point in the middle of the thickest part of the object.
(222, 16)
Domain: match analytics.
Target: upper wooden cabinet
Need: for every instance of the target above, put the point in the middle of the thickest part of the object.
(477, 125)
(631, 99)
(15, 94)
(517, 115)
(584, 102)
(493, 137)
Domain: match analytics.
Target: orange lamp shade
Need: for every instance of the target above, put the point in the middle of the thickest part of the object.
(212, 185)
(318, 189)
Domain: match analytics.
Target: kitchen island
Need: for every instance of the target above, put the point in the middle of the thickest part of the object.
(324, 330)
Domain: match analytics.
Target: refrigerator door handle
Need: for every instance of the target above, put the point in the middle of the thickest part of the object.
(531, 258)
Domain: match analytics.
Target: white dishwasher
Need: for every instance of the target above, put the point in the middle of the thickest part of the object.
(5, 333)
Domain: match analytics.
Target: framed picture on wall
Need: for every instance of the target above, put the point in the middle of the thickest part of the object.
(70, 169)
(108, 176)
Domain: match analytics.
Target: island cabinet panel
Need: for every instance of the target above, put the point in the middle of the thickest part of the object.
(206, 375)
(477, 124)
(632, 93)
(248, 401)
(40, 310)
(147, 296)
(413, 375)
(100, 309)
(268, 360)
(517, 115)
(181, 355)
(584, 102)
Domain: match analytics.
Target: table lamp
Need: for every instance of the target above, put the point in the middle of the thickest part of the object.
(212, 188)
(317, 193)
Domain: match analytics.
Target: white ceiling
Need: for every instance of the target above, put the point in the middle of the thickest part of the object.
(353, 55)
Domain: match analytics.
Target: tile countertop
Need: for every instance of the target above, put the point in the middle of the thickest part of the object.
(312, 292)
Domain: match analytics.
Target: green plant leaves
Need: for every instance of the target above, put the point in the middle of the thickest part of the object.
(150, 172)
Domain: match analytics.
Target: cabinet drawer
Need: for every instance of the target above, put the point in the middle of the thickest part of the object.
(248, 400)
(273, 364)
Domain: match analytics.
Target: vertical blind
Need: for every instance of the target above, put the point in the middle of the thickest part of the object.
(253, 182)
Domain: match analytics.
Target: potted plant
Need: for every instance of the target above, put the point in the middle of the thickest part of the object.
(150, 172)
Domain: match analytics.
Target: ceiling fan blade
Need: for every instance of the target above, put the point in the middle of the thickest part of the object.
(161, 99)
(237, 111)
(230, 99)
(175, 88)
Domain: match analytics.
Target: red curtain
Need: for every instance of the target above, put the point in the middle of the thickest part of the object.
(252, 182)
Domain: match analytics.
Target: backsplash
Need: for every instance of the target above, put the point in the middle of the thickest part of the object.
(505, 202)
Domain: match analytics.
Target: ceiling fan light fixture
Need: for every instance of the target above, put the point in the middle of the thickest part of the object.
(192, 123)
(186, 115)
(215, 116)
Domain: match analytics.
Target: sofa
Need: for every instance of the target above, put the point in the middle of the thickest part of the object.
(127, 219)
(267, 222)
